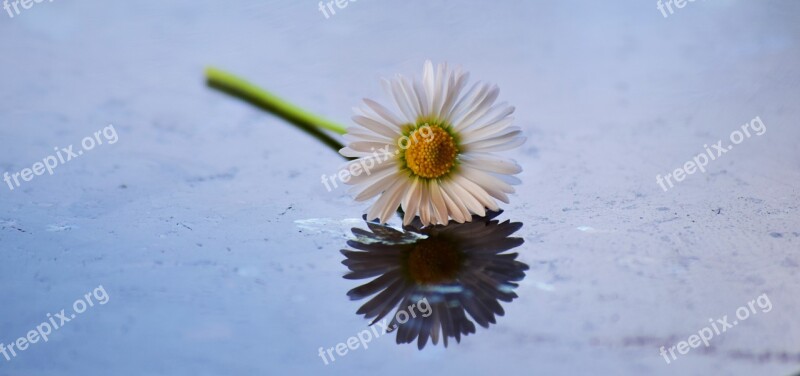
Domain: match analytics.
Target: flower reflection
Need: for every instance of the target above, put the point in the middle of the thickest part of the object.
(460, 270)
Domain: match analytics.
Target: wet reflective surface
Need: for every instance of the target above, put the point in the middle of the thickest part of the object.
(460, 271)
(219, 247)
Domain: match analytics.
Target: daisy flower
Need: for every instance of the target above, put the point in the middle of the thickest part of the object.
(432, 155)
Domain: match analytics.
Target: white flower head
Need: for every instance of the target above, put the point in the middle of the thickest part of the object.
(434, 157)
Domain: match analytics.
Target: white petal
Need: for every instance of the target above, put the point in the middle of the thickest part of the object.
(425, 206)
(361, 134)
(504, 141)
(383, 112)
(429, 80)
(498, 112)
(350, 153)
(487, 131)
(393, 202)
(490, 163)
(380, 127)
(479, 109)
(389, 201)
(449, 191)
(455, 84)
(452, 208)
(423, 98)
(372, 147)
(508, 179)
(478, 192)
(439, 205)
(470, 201)
(400, 98)
(411, 201)
(492, 185)
(498, 146)
(374, 185)
(478, 90)
(413, 100)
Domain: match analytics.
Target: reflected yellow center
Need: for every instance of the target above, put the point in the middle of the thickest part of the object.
(434, 261)
(431, 152)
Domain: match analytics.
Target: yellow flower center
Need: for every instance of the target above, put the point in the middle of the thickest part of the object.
(433, 261)
(431, 152)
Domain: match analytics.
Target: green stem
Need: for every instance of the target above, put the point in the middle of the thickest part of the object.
(259, 97)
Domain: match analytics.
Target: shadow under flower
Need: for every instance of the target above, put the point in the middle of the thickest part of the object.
(460, 272)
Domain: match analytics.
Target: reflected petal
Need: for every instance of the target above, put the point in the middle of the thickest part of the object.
(440, 280)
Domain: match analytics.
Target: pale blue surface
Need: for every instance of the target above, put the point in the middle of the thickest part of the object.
(189, 221)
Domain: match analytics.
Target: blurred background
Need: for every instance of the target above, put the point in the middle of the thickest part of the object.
(218, 247)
